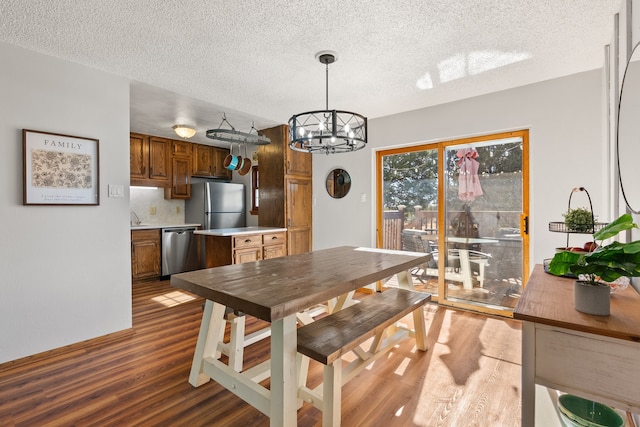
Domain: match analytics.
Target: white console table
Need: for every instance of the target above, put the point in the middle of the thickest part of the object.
(595, 357)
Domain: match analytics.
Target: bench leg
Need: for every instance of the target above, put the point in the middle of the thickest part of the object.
(211, 333)
(331, 394)
(302, 364)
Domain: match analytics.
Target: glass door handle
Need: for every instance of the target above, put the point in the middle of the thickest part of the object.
(524, 225)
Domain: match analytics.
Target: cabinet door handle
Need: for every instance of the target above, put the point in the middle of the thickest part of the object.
(247, 241)
(274, 238)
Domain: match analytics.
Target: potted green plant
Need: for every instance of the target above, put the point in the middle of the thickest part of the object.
(595, 269)
(579, 220)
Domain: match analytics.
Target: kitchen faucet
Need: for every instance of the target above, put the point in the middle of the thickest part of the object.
(133, 218)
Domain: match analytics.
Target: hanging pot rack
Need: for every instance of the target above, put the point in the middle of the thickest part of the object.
(234, 136)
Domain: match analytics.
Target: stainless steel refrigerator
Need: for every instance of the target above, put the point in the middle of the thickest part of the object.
(216, 204)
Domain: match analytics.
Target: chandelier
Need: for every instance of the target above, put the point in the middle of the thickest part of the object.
(327, 131)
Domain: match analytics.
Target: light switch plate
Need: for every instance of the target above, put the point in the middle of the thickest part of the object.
(116, 190)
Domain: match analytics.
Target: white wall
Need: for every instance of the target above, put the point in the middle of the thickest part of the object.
(66, 272)
(565, 119)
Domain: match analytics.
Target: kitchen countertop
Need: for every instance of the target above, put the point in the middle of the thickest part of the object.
(224, 232)
(153, 226)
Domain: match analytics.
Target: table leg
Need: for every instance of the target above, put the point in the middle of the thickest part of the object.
(343, 301)
(284, 384)
(332, 394)
(405, 282)
(528, 375)
(236, 342)
(211, 333)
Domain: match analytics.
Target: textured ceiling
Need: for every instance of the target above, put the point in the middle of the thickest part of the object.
(191, 60)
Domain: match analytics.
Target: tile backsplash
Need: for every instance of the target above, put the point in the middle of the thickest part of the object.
(144, 201)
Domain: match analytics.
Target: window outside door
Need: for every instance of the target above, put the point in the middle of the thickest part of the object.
(466, 203)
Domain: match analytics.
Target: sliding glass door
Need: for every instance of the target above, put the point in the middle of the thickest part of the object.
(464, 202)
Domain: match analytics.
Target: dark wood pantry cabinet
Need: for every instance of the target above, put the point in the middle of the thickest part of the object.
(286, 189)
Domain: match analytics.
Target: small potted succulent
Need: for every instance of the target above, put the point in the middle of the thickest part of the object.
(604, 265)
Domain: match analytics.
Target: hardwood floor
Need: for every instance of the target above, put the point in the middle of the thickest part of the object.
(469, 377)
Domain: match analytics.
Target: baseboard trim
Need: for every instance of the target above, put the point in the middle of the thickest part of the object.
(79, 346)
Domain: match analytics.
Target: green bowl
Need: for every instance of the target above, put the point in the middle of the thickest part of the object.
(588, 413)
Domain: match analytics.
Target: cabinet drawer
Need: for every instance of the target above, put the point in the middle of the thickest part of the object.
(273, 238)
(153, 234)
(273, 251)
(247, 241)
(597, 367)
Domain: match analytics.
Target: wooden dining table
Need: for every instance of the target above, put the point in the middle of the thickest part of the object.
(276, 290)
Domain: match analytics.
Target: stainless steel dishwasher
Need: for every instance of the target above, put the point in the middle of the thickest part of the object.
(179, 250)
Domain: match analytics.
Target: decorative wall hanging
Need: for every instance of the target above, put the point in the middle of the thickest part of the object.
(59, 169)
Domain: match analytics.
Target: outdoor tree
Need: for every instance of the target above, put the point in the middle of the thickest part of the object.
(411, 179)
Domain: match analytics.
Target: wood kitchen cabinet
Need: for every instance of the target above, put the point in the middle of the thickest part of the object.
(241, 248)
(149, 160)
(202, 159)
(209, 161)
(286, 189)
(145, 255)
(274, 245)
(219, 171)
(180, 171)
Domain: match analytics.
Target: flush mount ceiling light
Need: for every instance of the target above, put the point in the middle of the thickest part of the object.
(327, 131)
(184, 131)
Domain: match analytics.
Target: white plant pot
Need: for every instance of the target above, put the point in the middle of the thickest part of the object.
(592, 299)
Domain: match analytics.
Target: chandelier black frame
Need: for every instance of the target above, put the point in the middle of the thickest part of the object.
(327, 131)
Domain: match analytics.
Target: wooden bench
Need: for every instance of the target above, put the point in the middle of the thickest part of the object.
(328, 339)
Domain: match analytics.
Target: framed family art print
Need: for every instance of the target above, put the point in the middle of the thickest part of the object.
(60, 169)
